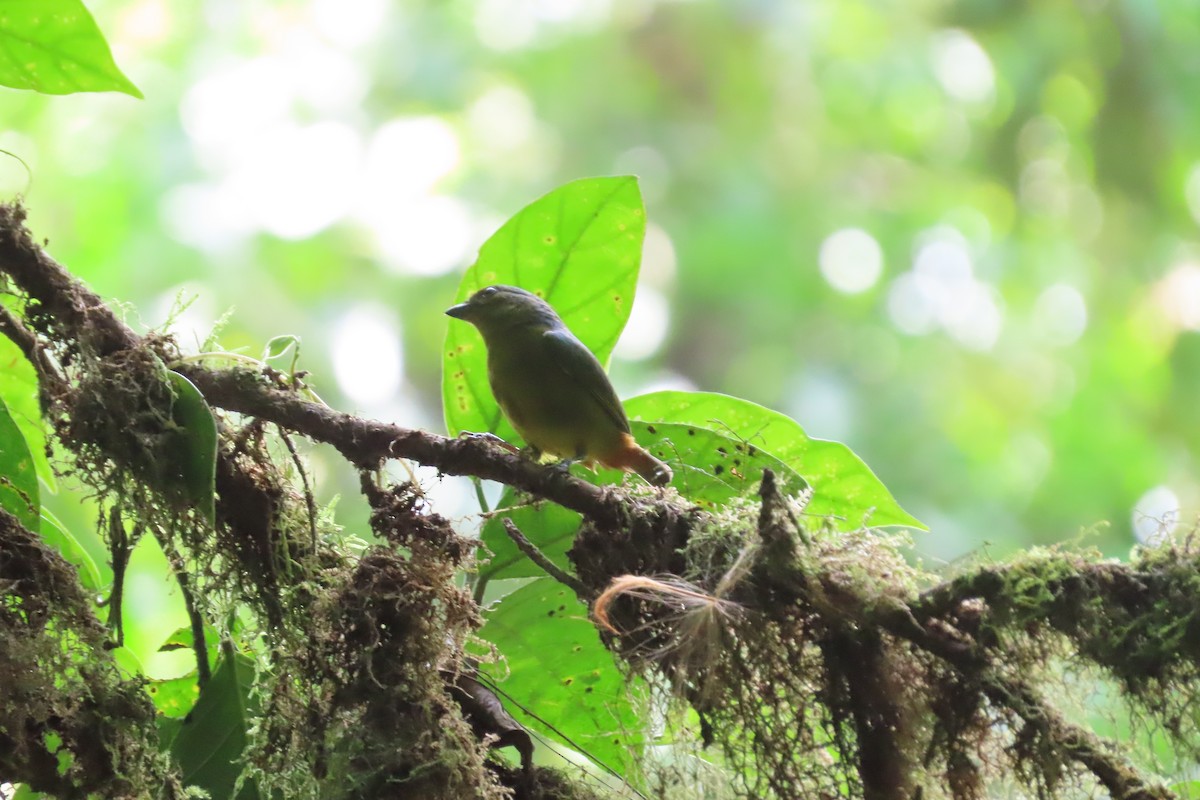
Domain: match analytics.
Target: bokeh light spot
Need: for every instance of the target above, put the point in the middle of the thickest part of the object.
(407, 157)
(1060, 315)
(220, 111)
(658, 257)
(962, 67)
(851, 260)
(349, 24)
(502, 118)
(430, 236)
(1178, 295)
(1155, 515)
(649, 320)
(941, 291)
(298, 181)
(368, 360)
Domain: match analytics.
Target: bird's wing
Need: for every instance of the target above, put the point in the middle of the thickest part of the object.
(573, 357)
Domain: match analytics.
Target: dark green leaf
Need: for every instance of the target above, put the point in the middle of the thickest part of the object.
(196, 456)
(579, 247)
(209, 743)
(844, 487)
(18, 476)
(559, 668)
(54, 47)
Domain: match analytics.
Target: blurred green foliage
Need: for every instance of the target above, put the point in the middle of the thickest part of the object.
(958, 237)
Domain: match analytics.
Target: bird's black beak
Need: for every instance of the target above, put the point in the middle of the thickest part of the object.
(460, 311)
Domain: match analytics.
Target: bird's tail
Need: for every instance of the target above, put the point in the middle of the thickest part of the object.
(632, 456)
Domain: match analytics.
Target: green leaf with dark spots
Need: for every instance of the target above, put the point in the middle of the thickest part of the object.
(558, 667)
(710, 468)
(844, 488)
(174, 697)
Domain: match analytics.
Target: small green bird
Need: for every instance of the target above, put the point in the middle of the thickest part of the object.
(550, 386)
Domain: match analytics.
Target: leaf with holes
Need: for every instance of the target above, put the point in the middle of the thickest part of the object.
(55, 47)
(844, 488)
(579, 247)
(182, 639)
(174, 697)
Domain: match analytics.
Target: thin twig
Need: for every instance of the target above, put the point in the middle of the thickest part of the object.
(538, 557)
(309, 501)
(118, 543)
(199, 644)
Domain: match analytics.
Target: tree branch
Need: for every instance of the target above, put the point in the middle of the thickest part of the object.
(366, 443)
(538, 557)
(59, 295)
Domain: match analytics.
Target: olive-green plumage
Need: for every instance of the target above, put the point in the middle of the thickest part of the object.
(550, 386)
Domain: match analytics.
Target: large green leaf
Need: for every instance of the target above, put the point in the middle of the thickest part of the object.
(18, 476)
(559, 668)
(579, 247)
(55, 47)
(209, 743)
(844, 488)
(194, 461)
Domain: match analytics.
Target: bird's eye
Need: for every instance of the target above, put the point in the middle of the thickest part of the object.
(488, 292)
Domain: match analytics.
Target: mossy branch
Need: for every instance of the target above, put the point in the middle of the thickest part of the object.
(104, 721)
(762, 617)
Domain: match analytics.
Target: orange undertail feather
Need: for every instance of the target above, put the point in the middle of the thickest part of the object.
(633, 457)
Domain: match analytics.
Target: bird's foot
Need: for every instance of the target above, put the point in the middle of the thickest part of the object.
(564, 466)
(490, 437)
